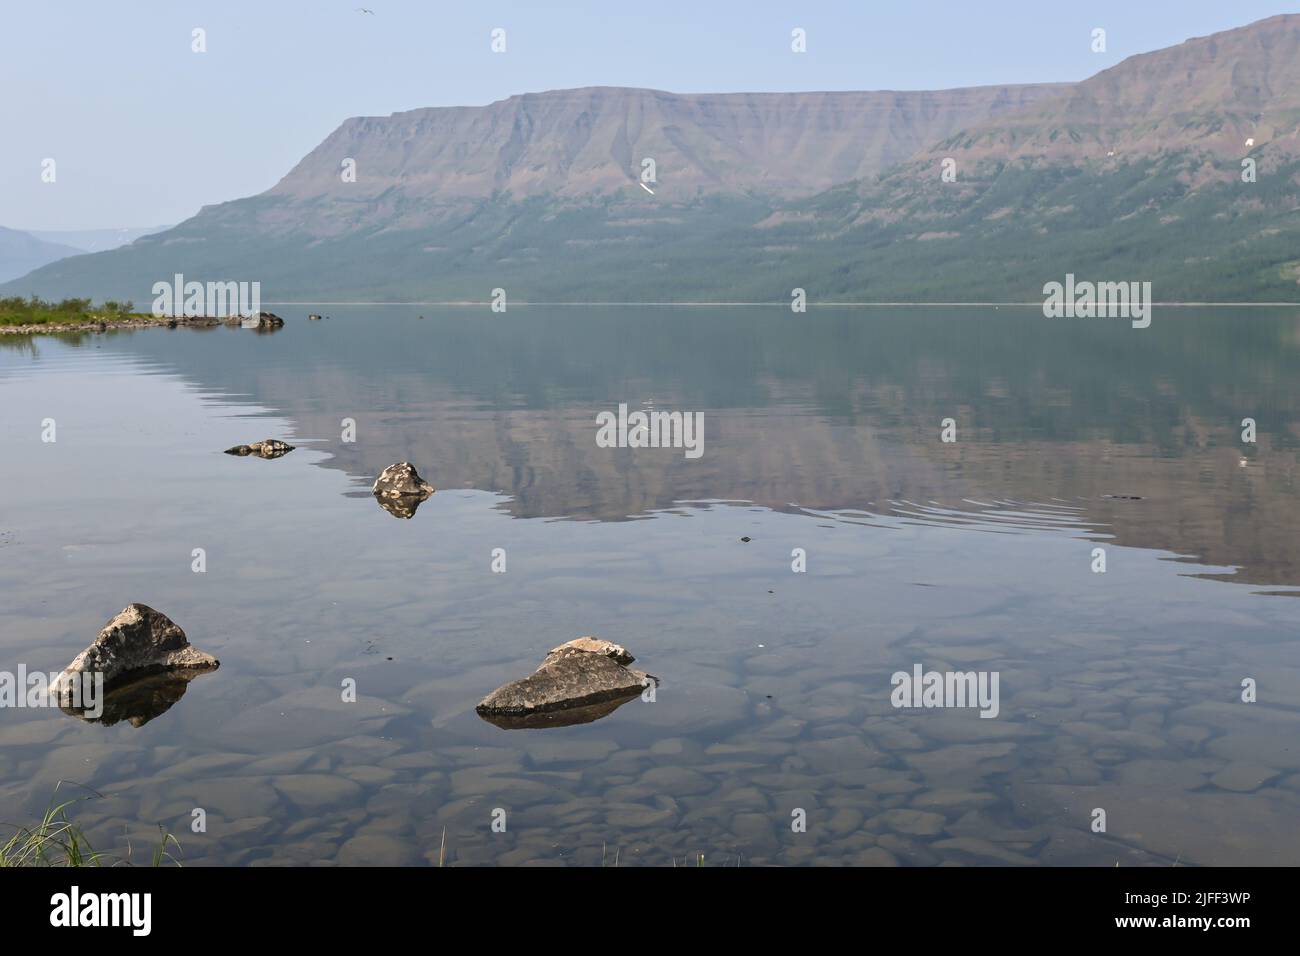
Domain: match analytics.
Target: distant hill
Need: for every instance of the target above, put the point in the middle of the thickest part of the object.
(21, 252)
(1135, 173)
(97, 240)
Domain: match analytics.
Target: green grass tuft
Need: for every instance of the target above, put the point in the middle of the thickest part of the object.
(57, 841)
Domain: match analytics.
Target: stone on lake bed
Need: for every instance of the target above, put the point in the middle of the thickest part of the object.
(135, 643)
(911, 822)
(267, 448)
(1243, 777)
(584, 672)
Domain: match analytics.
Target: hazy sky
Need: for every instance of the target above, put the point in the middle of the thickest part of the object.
(144, 130)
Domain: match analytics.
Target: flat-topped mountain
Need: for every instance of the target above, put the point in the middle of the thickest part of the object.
(416, 167)
(582, 141)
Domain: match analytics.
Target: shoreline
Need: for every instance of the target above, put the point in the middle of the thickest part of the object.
(108, 325)
(146, 321)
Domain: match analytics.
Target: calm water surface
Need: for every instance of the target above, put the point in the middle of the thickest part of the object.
(1119, 691)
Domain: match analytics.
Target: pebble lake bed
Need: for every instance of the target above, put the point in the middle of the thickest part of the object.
(771, 737)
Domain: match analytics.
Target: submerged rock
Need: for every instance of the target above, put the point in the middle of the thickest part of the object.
(399, 489)
(136, 643)
(581, 678)
(267, 448)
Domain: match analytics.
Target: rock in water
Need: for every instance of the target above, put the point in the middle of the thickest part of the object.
(578, 674)
(401, 479)
(267, 448)
(137, 642)
(399, 489)
(268, 322)
(597, 645)
(261, 321)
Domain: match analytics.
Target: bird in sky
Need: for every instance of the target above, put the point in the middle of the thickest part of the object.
(364, 10)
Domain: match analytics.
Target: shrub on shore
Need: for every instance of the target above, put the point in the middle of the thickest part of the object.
(15, 310)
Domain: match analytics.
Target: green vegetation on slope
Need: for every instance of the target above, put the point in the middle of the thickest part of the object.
(997, 234)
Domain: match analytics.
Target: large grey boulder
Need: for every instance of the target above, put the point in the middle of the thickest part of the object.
(137, 642)
(399, 489)
(584, 672)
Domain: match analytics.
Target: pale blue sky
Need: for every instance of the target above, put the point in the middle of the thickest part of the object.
(144, 131)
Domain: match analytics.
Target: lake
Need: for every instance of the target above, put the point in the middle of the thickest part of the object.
(772, 737)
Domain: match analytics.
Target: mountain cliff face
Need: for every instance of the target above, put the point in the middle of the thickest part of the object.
(1210, 94)
(425, 166)
(1135, 173)
(585, 141)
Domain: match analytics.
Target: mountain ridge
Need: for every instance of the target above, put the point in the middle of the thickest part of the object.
(1139, 166)
(1213, 93)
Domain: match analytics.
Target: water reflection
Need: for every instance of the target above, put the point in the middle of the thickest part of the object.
(141, 700)
(831, 410)
(568, 717)
(822, 432)
(401, 506)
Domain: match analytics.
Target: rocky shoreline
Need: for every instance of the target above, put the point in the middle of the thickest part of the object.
(266, 320)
